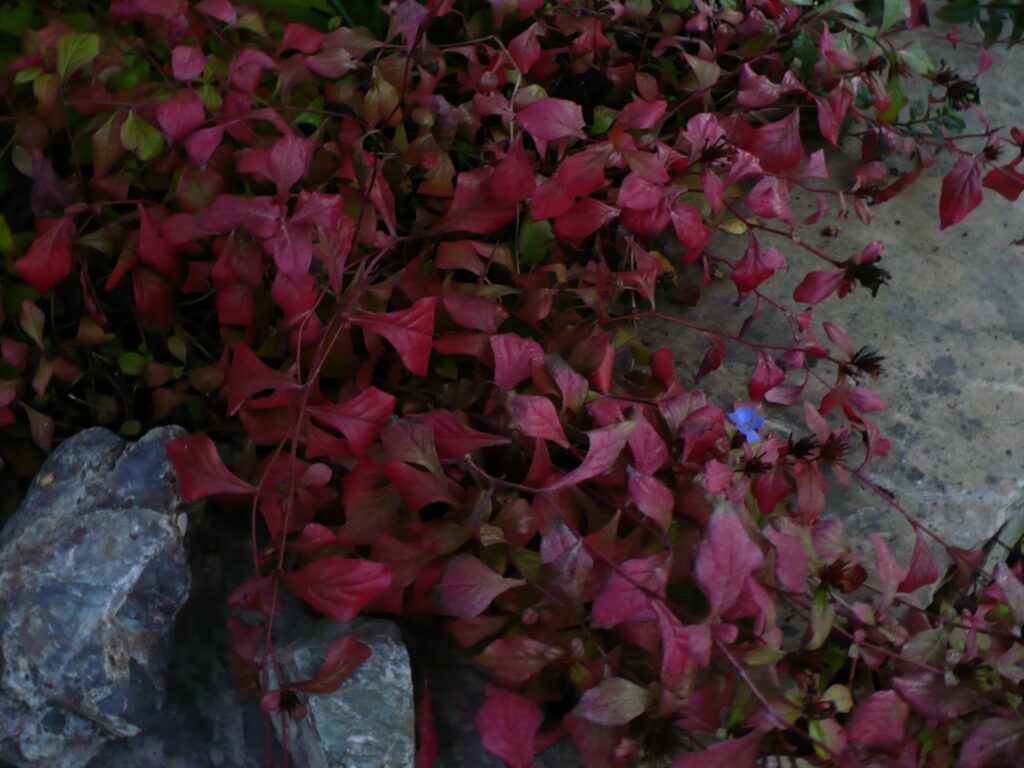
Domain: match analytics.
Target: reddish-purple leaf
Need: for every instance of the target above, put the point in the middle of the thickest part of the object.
(512, 358)
(889, 571)
(288, 160)
(996, 742)
(961, 191)
(640, 115)
(725, 559)
(1013, 590)
(735, 753)
(525, 48)
(615, 701)
(468, 587)
(260, 216)
(180, 115)
(201, 145)
(766, 376)
(200, 470)
(790, 560)
(922, 570)
(419, 488)
(222, 10)
(48, 259)
(299, 37)
(153, 249)
(755, 267)
(475, 206)
(248, 375)
(685, 649)
(552, 119)
(508, 724)
(930, 696)
(513, 177)
(605, 446)
(410, 331)
(345, 656)
(453, 439)
(1005, 180)
(187, 62)
(514, 660)
(584, 218)
(879, 721)
(360, 419)
(756, 90)
(652, 498)
(337, 586)
(777, 145)
(535, 416)
(818, 285)
(247, 67)
(626, 596)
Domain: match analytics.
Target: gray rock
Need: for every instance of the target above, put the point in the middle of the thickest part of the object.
(92, 573)
(367, 723)
(207, 722)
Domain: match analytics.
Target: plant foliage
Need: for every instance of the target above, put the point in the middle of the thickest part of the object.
(399, 256)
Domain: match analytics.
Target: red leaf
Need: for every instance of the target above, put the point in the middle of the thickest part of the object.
(755, 267)
(993, 743)
(426, 733)
(551, 119)
(419, 488)
(615, 701)
(777, 145)
(260, 216)
(879, 721)
(685, 649)
(468, 587)
(247, 67)
(640, 115)
(889, 571)
(525, 48)
(410, 331)
(48, 259)
(535, 416)
(453, 439)
(652, 498)
(725, 559)
(200, 470)
(288, 161)
(203, 143)
(338, 587)
(756, 90)
(473, 311)
(512, 358)
(790, 560)
(360, 419)
(187, 62)
(930, 696)
(299, 37)
(153, 249)
(818, 285)
(508, 725)
(514, 660)
(626, 595)
(649, 451)
(344, 657)
(248, 375)
(735, 753)
(475, 207)
(584, 218)
(605, 446)
(766, 375)
(961, 191)
(690, 229)
(922, 570)
(181, 114)
(222, 10)
(513, 180)
(1005, 180)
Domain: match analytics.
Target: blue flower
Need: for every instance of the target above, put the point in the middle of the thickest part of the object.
(747, 421)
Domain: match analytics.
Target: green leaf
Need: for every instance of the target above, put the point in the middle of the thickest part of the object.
(131, 363)
(6, 238)
(959, 11)
(75, 52)
(176, 346)
(32, 321)
(15, 19)
(894, 11)
(823, 616)
(140, 137)
(916, 59)
(534, 242)
(603, 118)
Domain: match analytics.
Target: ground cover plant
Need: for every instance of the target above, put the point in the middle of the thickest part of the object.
(396, 257)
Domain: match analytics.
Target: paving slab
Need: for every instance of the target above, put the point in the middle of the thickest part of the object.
(950, 324)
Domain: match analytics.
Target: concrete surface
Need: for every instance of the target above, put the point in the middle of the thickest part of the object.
(950, 324)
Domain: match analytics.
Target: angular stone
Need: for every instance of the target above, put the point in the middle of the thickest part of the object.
(92, 573)
(370, 720)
